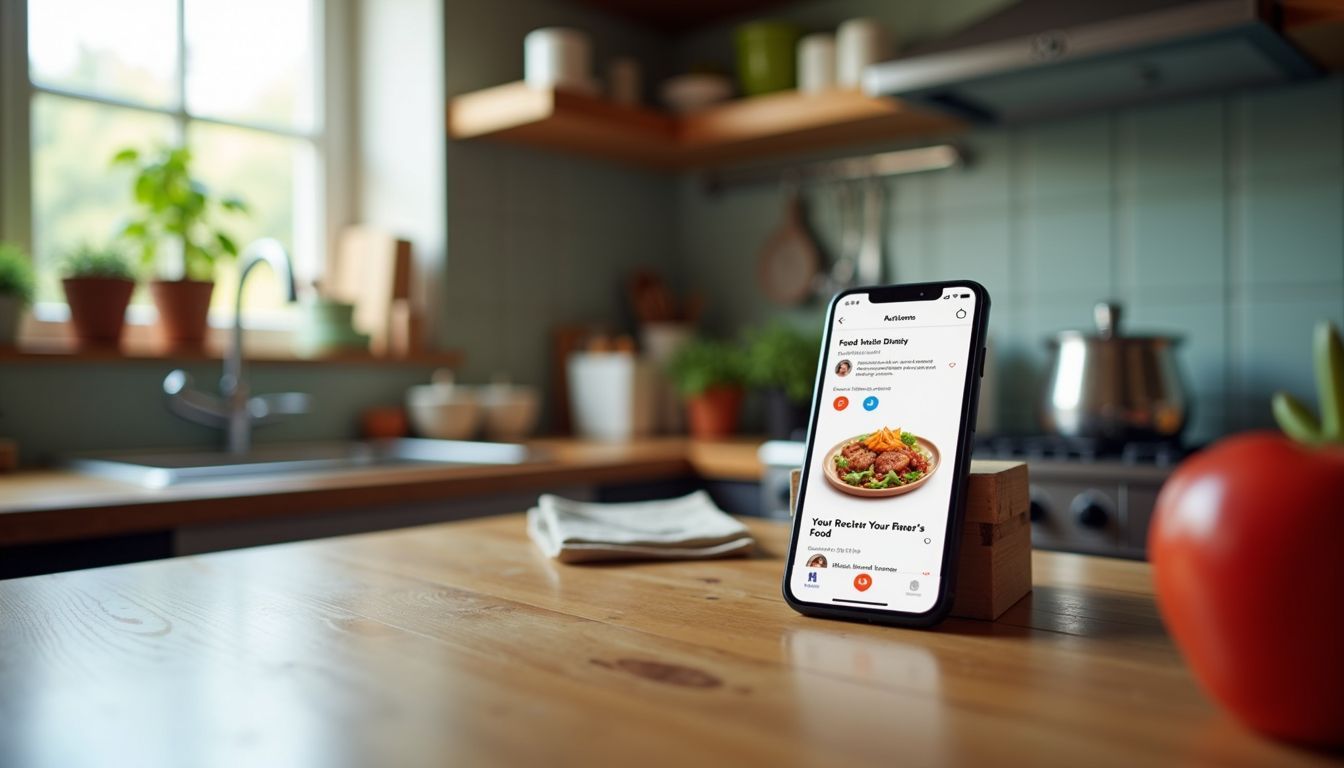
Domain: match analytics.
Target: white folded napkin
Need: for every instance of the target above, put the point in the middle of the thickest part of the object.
(690, 527)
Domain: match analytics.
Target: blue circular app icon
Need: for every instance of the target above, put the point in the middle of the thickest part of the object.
(870, 403)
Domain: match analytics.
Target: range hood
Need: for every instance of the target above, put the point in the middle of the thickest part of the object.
(1044, 58)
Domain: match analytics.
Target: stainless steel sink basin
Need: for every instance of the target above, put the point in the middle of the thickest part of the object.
(162, 469)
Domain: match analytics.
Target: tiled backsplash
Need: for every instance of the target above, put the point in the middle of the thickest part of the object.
(1219, 220)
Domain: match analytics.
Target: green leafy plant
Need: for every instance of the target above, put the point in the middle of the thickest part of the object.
(780, 357)
(704, 364)
(174, 206)
(97, 261)
(16, 273)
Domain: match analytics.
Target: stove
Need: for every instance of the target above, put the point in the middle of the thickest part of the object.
(1087, 496)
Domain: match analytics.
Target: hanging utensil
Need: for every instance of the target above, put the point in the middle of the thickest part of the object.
(788, 262)
(869, 260)
(841, 274)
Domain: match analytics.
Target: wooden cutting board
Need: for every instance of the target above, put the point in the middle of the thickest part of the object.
(372, 270)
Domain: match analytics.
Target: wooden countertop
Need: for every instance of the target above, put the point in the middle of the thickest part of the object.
(460, 644)
(58, 505)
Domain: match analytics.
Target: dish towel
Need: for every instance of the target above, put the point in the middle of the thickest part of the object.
(687, 528)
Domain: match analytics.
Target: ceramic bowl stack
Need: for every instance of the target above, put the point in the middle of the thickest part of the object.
(510, 411)
(443, 411)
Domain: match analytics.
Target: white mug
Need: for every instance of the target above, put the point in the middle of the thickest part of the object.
(558, 57)
(816, 62)
(860, 43)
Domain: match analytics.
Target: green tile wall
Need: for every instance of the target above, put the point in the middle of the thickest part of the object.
(535, 238)
(1220, 220)
(53, 409)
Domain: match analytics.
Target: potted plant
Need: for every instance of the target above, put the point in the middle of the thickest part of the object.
(709, 374)
(98, 283)
(176, 209)
(781, 363)
(16, 290)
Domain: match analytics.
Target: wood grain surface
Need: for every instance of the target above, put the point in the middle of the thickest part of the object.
(459, 644)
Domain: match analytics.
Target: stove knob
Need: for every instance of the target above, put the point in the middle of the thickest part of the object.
(1092, 514)
(1037, 511)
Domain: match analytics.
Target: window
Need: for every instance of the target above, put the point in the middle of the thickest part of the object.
(239, 81)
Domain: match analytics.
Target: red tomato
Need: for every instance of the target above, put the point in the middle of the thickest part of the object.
(1247, 546)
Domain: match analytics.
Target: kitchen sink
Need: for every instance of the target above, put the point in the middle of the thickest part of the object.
(163, 469)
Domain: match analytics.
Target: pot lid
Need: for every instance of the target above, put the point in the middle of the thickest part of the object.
(1106, 317)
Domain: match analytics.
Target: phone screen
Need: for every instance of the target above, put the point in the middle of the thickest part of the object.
(876, 498)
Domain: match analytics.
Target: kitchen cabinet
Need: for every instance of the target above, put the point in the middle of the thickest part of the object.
(459, 643)
(59, 520)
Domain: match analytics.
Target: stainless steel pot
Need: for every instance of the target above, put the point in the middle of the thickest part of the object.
(1114, 387)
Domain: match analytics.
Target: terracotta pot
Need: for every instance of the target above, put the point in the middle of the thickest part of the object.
(183, 306)
(714, 413)
(98, 308)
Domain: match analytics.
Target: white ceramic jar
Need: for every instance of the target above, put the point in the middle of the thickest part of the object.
(816, 62)
(559, 57)
(860, 43)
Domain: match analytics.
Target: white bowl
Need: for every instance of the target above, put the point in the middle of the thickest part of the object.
(692, 93)
(510, 412)
(443, 413)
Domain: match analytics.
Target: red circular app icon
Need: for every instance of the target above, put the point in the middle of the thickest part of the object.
(841, 403)
(862, 582)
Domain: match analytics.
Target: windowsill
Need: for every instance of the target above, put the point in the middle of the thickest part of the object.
(52, 342)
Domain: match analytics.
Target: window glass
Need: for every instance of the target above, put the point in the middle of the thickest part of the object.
(251, 61)
(124, 50)
(77, 195)
(266, 171)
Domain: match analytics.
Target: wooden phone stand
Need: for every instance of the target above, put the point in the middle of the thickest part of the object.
(994, 568)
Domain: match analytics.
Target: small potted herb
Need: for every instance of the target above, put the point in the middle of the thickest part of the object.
(98, 283)
(16, 291)
(709, 375)
(176, 208)
(782, 366)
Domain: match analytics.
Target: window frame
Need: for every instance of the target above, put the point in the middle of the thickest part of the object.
(330, 140)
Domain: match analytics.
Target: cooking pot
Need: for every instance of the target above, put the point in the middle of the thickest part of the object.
(1113, 387)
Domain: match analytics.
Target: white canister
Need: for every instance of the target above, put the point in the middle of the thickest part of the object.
(860, 43)
(611, 395)
(558, 57)
(816, 62)
(624, 83)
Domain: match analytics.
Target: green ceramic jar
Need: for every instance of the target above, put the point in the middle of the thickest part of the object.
(766, 55)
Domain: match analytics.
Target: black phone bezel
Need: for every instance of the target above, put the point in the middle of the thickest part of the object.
(912, 292)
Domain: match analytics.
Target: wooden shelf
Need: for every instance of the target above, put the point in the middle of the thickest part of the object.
(764, 126)
(65, 354)
(681, 15)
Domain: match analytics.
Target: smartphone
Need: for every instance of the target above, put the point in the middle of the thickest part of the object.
(879, 507)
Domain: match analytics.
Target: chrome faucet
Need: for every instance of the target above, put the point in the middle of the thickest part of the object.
(234, 410)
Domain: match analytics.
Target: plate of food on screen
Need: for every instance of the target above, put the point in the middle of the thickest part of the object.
(887, 462)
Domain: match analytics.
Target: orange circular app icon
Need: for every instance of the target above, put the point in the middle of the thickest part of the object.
(841, 403)
(862, 582)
